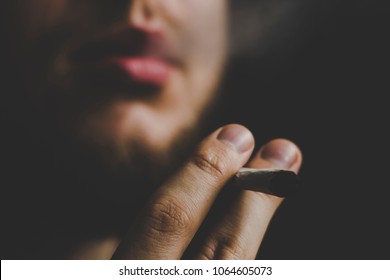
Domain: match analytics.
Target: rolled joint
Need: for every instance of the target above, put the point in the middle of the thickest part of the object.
(277, 182)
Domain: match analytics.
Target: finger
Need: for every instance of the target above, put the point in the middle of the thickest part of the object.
(176, 210)
(240, 232)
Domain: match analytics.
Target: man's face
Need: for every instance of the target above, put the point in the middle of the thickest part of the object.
(125, 74)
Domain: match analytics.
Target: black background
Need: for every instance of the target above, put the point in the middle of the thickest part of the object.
(324, 84)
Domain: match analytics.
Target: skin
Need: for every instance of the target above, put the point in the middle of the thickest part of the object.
(165, 224)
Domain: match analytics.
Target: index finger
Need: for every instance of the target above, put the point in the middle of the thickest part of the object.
(177, 209)
(239, 233)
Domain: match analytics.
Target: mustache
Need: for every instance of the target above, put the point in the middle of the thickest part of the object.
(127, 40)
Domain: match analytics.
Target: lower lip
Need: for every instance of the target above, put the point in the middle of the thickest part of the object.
(137, 70)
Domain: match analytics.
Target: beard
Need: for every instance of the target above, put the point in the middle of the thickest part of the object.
(62, 179)
(52, 166)
(88, 173)
(71, 186)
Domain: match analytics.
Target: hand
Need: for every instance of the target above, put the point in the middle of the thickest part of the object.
(168, 223)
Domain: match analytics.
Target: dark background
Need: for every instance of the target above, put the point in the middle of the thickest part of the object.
(320, 78)
(322, 82)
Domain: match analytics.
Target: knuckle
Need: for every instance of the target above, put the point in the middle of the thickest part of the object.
(168, 217)
(211, 162)
(222, 250)
(207, 252)
(229, 251)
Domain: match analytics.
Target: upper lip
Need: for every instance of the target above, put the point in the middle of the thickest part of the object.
(125, 42)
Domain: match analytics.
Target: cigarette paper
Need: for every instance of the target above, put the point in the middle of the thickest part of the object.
(276, 182)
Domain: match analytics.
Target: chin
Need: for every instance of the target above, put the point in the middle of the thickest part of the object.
(139, 158)
(125, 131)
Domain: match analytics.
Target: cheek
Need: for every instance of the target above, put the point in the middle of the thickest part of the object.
(199, 25)
(204, 39)
(188, 88)
(207, 27)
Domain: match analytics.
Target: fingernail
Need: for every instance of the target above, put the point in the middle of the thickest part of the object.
(237, 136)
(280, 152)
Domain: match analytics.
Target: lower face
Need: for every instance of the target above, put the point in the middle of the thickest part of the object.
(125, 77)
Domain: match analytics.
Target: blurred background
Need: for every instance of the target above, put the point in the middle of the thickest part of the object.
(320, 77)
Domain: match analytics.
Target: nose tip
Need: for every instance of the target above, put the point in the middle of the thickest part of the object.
(143, 15)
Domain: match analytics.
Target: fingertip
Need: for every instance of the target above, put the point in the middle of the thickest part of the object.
(282, 153)
(237, 136)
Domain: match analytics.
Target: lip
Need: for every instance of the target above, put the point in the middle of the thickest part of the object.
(127, 56)
(140, 70)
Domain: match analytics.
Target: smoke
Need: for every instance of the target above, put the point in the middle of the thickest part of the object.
(257, 26)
